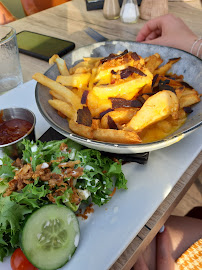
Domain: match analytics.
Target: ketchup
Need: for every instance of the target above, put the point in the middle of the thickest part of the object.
(13, 130)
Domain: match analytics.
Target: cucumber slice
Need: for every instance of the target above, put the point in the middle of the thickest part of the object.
(50, 237)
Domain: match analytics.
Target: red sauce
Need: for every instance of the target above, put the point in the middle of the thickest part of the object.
(13, 130)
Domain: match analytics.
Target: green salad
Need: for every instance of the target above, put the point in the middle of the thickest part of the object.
(59, 172)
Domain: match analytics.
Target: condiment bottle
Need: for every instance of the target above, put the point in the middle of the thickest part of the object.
(150, 9)
(111, 9)
(129, 11)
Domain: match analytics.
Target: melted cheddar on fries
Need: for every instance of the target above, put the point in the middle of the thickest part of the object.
(121, 98)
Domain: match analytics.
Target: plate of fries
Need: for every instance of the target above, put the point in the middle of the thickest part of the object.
(122, 96)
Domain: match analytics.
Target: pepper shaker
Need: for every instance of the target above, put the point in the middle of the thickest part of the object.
(129, 11)
(150, 9)
(111, 9)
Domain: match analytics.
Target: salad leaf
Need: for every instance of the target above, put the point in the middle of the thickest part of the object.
(12, 216)
(101, 175)
(65, 199)
(31, 195)
(6, 170)
(99, 178)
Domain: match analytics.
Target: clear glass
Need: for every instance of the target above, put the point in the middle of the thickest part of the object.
(10, 69)
(111, 9)
(129, 11)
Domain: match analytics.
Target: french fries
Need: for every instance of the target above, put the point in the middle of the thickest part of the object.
(162, 70)
(75, 80)
(61, 90)
(122, 98)
(116, 136)
(64, 107)
(60, 63)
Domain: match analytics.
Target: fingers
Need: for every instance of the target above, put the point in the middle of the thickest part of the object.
(156, 41)
(153, 35)
(154, 25)
(165, 260)
(140, 264)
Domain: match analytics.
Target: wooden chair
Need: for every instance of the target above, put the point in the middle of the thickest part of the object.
(5, 15)
(33, 6)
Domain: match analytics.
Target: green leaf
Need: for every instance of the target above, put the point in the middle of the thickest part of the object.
(6, 169)
(3, 186)
(11, 214)
(31, 195)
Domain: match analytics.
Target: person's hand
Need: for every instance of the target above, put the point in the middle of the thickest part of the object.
(168, 31)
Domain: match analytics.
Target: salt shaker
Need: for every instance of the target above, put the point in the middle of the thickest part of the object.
(111, 9)
(129, 11)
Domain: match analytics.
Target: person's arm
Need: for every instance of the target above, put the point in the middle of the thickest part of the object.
(170, 31)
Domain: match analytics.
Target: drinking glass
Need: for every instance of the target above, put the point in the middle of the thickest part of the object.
(10, 69)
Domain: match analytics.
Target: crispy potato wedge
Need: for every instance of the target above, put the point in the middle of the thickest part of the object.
(156, 108)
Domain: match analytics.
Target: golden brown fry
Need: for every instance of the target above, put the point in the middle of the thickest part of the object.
(96, 123)
(60, 63)
(56, 95)
(119, 116)
(61, 90)
(92, 78)
(116, 136)
(81, 130)
(75, 80)
(162, 70)
(127, 89)
(153, 61)
(97, 105)
(81, 67)
(52, 60)
(92, 60)
(188, 98)
(64, 107)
